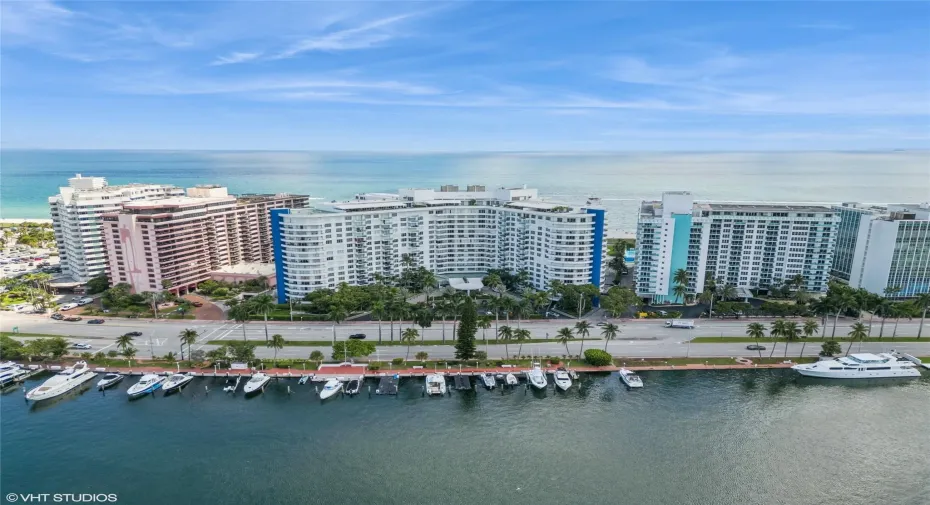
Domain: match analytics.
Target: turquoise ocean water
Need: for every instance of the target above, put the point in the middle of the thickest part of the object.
(621, 180)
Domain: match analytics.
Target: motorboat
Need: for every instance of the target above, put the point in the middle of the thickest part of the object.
(303, 380)
(176, 382)
(109, 380)
(561, 378)
(488, 380)
(149, 383)
(511, 380)
(10, 372)
(536, 377)
(859, 366)
(256, 383)
(62, 382)
(331, 387)
(435, 384)
(630, 378)
(354, 385)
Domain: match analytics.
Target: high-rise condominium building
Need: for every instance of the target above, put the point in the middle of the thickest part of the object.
(76, 219)
(183, 239)
(450, 232)
(747, 245)
(884, 249)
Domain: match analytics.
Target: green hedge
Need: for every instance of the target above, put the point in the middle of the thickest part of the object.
(597, 357)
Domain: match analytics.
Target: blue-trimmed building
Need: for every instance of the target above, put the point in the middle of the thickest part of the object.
(450, 232)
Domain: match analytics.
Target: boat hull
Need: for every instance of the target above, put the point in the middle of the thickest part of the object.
(112, 382)
(61, 389)
(854, 374)
(251, 389)
(177, 386)
(143, 392)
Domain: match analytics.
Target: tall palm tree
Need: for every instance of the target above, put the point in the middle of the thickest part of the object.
(897, 310)
(521, 335)
(276, 342)
(429, 281)
(923, 303)
(822, 307)
(378, 310)
(505, 305)
(609, 331)
(188, 337)
(564, 336)
(582, 329)
(790, 332)
(776, 331)
(520, 309)
(679, 291)
(809, 329)
(129, 353)
(727, 292)
(241, 313)
(844, 301)
(263, 304)
(152, 298)
(505, 333)
(756, 331)
(681, 284)
(455, 309)
(857, 332)
(484, 322)
(337, 314)
(124, 342)
(885, 308)
(409, 337)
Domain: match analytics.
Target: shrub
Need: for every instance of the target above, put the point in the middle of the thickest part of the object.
(316, 356)
(398, 361)
(481, 355)
(100, 355)
(374, 368)
(597, 357)
(830, 347)
(220, 292)
(86, 355)
(112, 354)
(499, 363)
(422, 356)
(555, 361)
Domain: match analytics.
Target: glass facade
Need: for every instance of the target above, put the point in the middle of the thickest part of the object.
(910, 261)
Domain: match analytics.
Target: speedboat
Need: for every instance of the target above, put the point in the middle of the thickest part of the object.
(630, 378)
(256, 383)
(860, 366)
(149, 383)
(303, 380)
(511, 380)
(331, 387)
(176, 382)
(561, 378)
(109, 380)
(353, 386)
(488, 380)
(536, 377)
(435, 384)
(9, 372)
(62, 382)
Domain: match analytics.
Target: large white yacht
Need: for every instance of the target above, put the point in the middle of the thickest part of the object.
(149, 383)
(9, 372)
(256, 383)
(561, 378)
(62, 382)
(860, 366)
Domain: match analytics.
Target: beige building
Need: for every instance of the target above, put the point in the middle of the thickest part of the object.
(183, 239)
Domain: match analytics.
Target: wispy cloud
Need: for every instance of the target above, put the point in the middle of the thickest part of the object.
(235, 57)
(365, 36)
(824, 26)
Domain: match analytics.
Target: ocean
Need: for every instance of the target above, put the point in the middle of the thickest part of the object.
(621, 180)
(759, 437)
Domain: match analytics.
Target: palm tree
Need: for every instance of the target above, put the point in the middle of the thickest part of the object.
(727, 292)
(609, 332)
(429, 281)
(276, 342)
(790, 332)
(484, 322)
(809, 329)
(409, 337)
(844, 301)
(129, 353)
(582, 329)
(505, 305)
(337, 314)
(263, 304)
(564, 336)
(152, 298)
(922, 302)
(188, 337)
(241, 314)
(378, 310)
(124, 342)
(776, 331)
(885, 307)
(681, 284)
(858, 332)
(505, 333)
(679, 291)
(897, 310)
(521, 335)
(756, 331)
(823, 308)
(520, 309)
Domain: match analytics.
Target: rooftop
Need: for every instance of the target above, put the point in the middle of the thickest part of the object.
(762, 207)
(265, 269)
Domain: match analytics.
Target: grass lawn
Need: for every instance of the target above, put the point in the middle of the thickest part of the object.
(707, 361)
(36, 335)
(747, 340)
(328, 343)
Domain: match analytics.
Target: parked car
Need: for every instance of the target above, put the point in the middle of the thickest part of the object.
(74, 318)
(357, 336)
(197, 304)
(755, 347)
(82, 346)
(83, 301)
(134, 333)
(58, 317)
(95, 321)
(68, 306)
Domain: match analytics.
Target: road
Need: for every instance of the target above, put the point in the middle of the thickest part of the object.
(637, 339)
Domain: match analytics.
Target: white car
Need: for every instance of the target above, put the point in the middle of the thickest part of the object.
(82, 346)
(68, 306)
(83, 301)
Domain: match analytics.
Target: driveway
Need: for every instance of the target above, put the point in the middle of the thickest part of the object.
(209, 312)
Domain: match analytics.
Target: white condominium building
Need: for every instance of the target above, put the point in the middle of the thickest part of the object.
(446, 231)
(748, 245)
(76, 218)
(883, 248)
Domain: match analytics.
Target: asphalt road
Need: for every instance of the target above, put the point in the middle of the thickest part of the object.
(637, 338)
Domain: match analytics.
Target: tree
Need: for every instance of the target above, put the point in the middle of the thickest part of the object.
(423, 316)
(409, 337)
(421, 356)
(609, 332)
(169, 357)
(564, 336)
(10, 348)
(484, 322)
(153, 298)
(379, 310)
(219, 355)
(756, 331)
(465, 346)
(505, 333)
(679, 291)
(317, 356)
(830, 347)
(241, 313)
(885, 308)
(521, 335)
(790, 332)
(857, 332)
(188, 337)
(681, 284)
(57, 347)
(263, 304)
(129, 353)
(775, 332)
(809, 329)
(597, 357)
(124, 342)
(241, 351)
(842, 300)
(352, 349)
(276, 342)
(98, 284)
(337, 314)
(582, 329)
(727, 292)
(923, 303)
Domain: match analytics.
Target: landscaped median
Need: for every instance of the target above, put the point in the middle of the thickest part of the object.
(748, 340)
(329, 343)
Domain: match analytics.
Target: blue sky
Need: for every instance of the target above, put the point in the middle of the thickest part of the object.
(581, 76)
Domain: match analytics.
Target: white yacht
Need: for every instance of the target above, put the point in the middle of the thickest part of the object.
(536, 377)
(630, 378)
(331, 387)
(176, 382)
(860, 366)
(561, 378)
(149, 383)
(62, 382)
(256, 383)
(109, 380)
(435, 384)
(511, 380)
(9, 372)
(354, 385)
(488, 380)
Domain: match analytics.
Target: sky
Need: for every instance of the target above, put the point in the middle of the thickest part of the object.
(482, 76)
